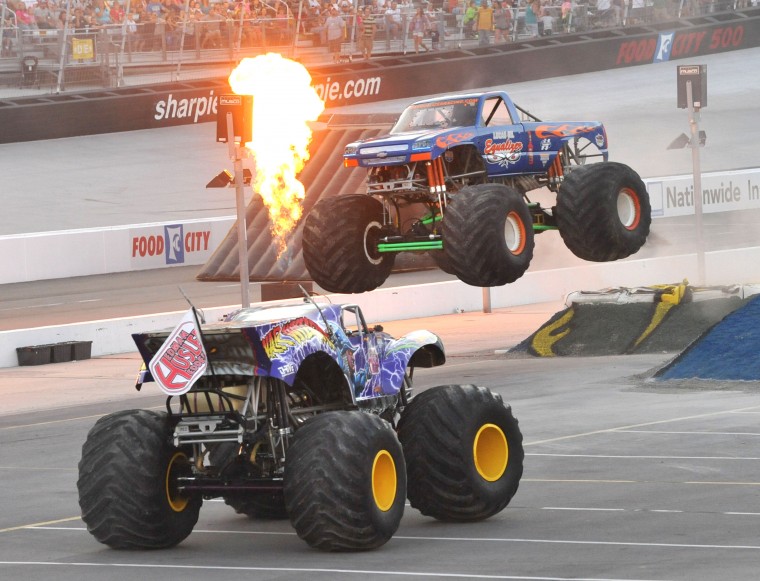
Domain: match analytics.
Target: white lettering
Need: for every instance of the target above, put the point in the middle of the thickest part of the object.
(197, 108)
(333, 91)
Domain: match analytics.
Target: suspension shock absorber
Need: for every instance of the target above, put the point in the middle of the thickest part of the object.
(556, 170)
(432, 176)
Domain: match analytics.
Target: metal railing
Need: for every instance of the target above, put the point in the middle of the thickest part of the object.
(186, 47)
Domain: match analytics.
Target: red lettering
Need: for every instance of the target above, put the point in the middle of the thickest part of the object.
(636, 51)
(147, 246)
(508, 146)
(180, 361)
(727, 37)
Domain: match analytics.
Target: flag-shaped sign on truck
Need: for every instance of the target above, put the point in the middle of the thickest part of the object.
(181, 360)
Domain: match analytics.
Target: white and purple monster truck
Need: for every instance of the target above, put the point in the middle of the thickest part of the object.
(452, 179)
(303, 413)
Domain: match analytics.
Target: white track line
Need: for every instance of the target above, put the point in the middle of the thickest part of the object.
(473, 539)
(352, 572)
(642, 457)
(751, 409)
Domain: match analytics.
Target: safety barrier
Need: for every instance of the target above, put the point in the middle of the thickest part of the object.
(68, 253)
(425, 300)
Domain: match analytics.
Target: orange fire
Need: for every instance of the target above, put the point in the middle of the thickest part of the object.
(283, 102)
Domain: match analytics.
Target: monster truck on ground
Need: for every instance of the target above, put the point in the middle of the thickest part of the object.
(452, 179)
(302, 412)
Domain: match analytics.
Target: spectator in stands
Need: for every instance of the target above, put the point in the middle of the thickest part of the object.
(154, 7)
(131, 28)
(419, 27)
(24, 18)
(80, 22)
(470, 19)
(502, 22)
(547, 21)
(660, 8)
(367, 30)
(282, 25)
(608, 13)
(188, 21)
(484, 23)
(102, 16)
(154, 32)
(335, 27)
(43, 15)
(6, 34)
(532, 10)
(393, 23)
(117, 12)
(567, 11)
(212, 29)
(60, 22)
(636, 15)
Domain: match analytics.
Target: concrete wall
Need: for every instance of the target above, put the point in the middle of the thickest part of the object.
(68, 253)
(63, 254)
(723, 268)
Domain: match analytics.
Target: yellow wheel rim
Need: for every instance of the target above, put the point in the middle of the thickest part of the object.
(176, 501)
(384, 480)
(491, 452)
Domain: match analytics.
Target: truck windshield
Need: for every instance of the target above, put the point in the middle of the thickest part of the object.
(437, 115)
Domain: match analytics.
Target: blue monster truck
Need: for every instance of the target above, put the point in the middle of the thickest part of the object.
(452, 179)
(303, 412)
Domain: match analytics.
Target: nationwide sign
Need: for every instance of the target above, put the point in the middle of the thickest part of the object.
(721, 192)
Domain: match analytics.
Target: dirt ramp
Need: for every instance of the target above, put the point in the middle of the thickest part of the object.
(728, 350)
(663, 319)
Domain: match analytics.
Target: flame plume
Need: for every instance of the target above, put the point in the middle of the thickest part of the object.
(283, 102)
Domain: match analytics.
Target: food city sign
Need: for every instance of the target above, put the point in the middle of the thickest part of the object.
(170, 244)
(672, 45)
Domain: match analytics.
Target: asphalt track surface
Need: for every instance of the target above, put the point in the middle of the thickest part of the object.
(625, 478)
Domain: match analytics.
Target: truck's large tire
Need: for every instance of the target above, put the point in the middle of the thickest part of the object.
(488, 235)
(603, 211)
(339, 238)
(345, 481)
(126, 484)
(463, 450)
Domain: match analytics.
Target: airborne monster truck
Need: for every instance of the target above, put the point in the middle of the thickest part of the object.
(452, 179)
(303, 412)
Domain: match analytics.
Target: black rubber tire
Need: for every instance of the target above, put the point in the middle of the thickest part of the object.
(439, 431)
(603, 211)
(441, 261)
(329, 484)
(125, 474)
(338, 239)
(488, 235)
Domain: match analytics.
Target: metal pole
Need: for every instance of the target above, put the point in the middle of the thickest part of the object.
(64, 34)
(182, 40)
(486, 299)
(120, 74)
(694, 125)
(235, 154)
